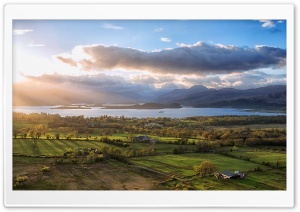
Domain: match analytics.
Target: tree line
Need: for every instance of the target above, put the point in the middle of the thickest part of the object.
(184, 131)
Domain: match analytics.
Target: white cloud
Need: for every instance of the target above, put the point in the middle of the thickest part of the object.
(280, 21)
(251, 79)
(237, 84)
(110, 26)
(168, 40)
(21, 31)
(267, 23)
(199, 43)
(158, 29)
(225, 46)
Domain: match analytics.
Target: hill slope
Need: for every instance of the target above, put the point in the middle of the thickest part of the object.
(270, 97)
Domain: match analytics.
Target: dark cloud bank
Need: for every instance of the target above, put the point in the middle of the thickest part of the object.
(196, 59)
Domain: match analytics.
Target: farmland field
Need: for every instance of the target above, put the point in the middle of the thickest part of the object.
(182, 165)
(51, 147)
(72, 154)
(110, 175)
(163, 171)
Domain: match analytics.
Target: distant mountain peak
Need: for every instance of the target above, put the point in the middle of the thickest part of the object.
(180, 93)
(198, 87)
(200, 96)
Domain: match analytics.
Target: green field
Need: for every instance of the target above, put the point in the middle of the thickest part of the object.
(263, 180)
(182, 165)
(52, 147)
(163, 171)
(260, 155)
(58, 147)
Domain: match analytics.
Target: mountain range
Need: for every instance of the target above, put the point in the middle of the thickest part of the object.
(269, 97)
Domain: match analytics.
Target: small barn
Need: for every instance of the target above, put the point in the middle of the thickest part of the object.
(232, 175)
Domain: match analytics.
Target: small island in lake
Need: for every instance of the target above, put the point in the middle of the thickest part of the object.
(72, 107)
(145, 106)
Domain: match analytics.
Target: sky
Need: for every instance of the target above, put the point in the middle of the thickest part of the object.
(147, 57)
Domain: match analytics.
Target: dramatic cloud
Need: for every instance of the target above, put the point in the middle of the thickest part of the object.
(267, 23)
(200, 59)
(158, 81)
(246, 80)
(110, 26)
(165, 40)
(21, 31)
(67, 60)
(253, 79)
(99, 80)
(97, 83)
(52, 89)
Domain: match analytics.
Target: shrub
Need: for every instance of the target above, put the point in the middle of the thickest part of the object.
(257, 169)
(21, 179)
(122, 159)
(179, 150)
(17, 184)
(175, 151)
(234, 148)
(45, 169)
(91, 157)
(266, 163)
(99, 158)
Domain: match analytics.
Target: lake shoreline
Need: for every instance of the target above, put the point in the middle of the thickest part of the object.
(152, 106)
(71, 108)
(183, 112)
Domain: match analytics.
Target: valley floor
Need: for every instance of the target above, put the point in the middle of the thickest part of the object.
(160, 172)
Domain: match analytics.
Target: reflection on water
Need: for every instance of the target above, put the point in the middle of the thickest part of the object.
(172, 113)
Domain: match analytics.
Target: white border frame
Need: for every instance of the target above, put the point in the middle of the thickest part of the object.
(147, 198)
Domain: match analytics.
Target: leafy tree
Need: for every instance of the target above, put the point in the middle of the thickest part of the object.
(107, 132)
(206, 168)
(131, 136)
(32, 133)
(195, 133)
(24, 132)
(40, 129)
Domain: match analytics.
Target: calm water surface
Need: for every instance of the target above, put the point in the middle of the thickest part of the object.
(172, 113)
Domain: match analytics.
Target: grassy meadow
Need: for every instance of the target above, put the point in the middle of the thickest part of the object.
(163, 171)
(70, 154)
